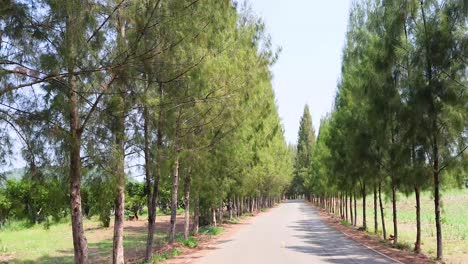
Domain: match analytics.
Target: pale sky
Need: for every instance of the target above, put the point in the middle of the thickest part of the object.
(312, 35)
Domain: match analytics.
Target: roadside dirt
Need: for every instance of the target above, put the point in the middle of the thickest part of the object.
(207, 243)
(372, 241)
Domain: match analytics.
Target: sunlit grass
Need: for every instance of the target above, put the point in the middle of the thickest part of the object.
(454, 221)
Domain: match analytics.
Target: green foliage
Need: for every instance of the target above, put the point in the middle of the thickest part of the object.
(135, 198)
(191, 242)
(399, 119)
(99, 196)
(116, 84)
(345, 223)
(33, 201)
(303, 158)
(211, 230)
(404, 246)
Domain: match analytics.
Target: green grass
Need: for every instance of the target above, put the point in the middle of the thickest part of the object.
(345, 223)
(233, 221)
(163, 256)
(191, 242)
(54, 245)
(211, 230)
(34, 243)
(454, 222)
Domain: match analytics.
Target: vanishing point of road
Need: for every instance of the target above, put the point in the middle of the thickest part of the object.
(291, 233)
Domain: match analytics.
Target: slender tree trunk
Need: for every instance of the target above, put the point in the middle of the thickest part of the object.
(187, 204)
(213, 211)
(221, 213)
(376, 214)
(395, 218)
(152, 203)
(435, 148)
(196, 217)
(175, 181)
(80, 244)
(346, 205)
(417, 244)
(355, 210)
(236, 199)
(251, 205)
(231, 205)
(364, 220)
(351, 207)
(175, 187)
(241, 206)
(437, 211)
(341, 205)
(382, 215)
(148, 169)
(119, 154)
(119, 151)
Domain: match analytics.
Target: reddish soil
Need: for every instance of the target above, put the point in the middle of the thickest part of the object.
(372, 241)
(205, 243)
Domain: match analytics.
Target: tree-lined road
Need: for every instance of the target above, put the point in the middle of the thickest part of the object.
(291, 233)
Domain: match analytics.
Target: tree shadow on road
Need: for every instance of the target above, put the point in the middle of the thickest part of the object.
(329, 244)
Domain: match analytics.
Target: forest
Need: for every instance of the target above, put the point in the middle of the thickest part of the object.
(119, 107)
(399, 122)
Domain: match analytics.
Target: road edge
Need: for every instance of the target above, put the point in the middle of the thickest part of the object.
(412, 258)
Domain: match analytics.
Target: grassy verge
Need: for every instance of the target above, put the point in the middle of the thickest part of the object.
(35, 244)
(211, 230)
(454, 223)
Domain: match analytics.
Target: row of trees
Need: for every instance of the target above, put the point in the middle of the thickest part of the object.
(399, 122)
(180, 89)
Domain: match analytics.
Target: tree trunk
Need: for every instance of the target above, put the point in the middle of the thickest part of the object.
(351, 208)
(187, 204)
(213, 211)
(376, 222)
(395, 221)
(148, 176)
(417, 244)
(119, 154)
(346, 205)
(341, 205)
(241, 206)
(435, 148)
(437, 212)
(152, 200)
(175, 188)
(382, 216)
(364, 220)
(221, 213)
(230, 205)
(355, 210)
(80, 244)
(196, 217)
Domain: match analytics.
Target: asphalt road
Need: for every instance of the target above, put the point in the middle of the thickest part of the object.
(291, 233)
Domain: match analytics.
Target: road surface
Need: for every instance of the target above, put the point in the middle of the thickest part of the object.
(291, 233)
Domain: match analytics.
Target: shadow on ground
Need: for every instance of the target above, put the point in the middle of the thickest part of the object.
(329, 244)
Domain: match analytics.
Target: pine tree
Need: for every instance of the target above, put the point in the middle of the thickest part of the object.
(305, 146)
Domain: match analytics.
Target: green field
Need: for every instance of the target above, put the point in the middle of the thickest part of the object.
(454, 222)
(54, 245)
(20, 243)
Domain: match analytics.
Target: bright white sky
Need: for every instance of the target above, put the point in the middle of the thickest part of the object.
(312, 35)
